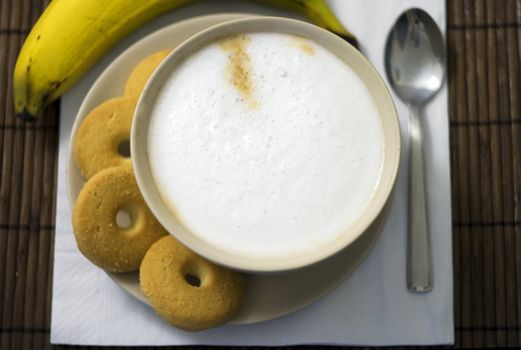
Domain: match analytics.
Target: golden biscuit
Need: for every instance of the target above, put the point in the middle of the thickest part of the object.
(103, 137)
(97, 233)
(188, 291)
(142, 72)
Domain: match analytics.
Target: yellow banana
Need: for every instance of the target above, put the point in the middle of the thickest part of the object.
(68, 39)
(319, 13)
(72, 35)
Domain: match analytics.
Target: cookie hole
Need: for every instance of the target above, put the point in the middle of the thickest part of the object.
(123, 218)
(124, 148)
(193, 280)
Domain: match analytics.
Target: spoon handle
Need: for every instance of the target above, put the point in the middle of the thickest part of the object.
(419, 260)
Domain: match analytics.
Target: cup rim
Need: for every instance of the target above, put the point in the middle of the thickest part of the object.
(150, 193)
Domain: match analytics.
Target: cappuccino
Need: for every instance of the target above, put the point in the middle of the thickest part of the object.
(265, 145)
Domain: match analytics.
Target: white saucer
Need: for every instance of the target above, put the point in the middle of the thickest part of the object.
(269, 296)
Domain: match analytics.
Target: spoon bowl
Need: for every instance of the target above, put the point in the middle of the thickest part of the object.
(415, 57)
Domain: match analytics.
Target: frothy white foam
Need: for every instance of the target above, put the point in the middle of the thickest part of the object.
(278, 177)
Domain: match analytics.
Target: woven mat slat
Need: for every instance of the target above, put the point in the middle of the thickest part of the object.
(484, 66)
(473, 287)
(484, 186)
(506, 205)
(513, 38)
(492, 114)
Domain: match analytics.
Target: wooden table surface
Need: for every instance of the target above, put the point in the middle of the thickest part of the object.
(484, 57)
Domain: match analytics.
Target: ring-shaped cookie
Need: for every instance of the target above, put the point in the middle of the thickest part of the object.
(99, 236)
(186, 290)
(103, 138)
(139, 76)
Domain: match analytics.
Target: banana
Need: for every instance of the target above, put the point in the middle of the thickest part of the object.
(319, 13)
(68, 39)
(72, 35)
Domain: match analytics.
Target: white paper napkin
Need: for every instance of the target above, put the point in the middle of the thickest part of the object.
(373, 307)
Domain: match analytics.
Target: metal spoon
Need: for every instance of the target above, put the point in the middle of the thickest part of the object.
(414, 63)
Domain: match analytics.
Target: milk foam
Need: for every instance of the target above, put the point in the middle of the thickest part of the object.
(278, 177)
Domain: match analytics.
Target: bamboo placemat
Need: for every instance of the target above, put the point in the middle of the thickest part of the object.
(484, 57)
